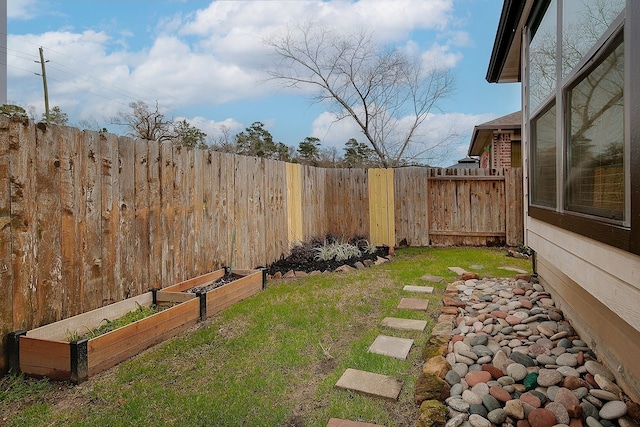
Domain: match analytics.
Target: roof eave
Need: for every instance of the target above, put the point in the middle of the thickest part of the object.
(506, 44)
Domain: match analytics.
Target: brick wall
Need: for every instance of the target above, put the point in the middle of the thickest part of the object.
(501, 150)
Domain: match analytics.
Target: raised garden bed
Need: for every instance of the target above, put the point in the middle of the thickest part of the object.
(48, 352)
(71, 350)
(217, 290)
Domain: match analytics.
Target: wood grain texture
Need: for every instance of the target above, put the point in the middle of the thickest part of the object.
(88, 219)
(6, 272)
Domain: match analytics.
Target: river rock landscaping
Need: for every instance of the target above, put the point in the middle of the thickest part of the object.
(513, 359)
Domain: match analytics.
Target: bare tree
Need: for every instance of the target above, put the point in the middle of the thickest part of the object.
(387, 93)
(224, 142)
(145, 123)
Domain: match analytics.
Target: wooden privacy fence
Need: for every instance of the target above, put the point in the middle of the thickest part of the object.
(87, 218)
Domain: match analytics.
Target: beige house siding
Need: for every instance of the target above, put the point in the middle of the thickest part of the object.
(598, 289)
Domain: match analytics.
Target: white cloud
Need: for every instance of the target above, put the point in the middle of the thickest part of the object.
(440, 57)
(207, 57)
(213, 128)
(22, 9)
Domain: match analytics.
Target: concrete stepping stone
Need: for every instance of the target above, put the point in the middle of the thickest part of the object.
(337, 422)
(391, 346)
(421, 289)
(515, 269)
(414, 304)
(432, 279)
(370, 384)
(459, 271)
(404, 324)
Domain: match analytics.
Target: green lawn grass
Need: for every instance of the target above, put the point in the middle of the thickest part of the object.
(271, 360)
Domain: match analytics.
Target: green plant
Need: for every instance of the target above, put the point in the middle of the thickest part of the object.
(107, 325)
(336, 251)
(15, 387)
(310, 329)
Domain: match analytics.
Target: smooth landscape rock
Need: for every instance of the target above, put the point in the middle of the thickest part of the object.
(515, 361)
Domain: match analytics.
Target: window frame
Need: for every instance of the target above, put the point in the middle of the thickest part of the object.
(624, 235)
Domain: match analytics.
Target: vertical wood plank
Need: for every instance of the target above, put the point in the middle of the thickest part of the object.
(257, 220)
(167, 226)
(180, 200)
(277, 211)
(110, 224)
(514, 207)
(226, 219)
(72, 223)
(22, 149)
(127, 226)
(191, 247)
(218, 210)
(294, 203)
(198, 237)
(156, 236)
(6, 273)
(48, 284)
(208, 208)
(241, 203)
(141, 215)
(90, 220)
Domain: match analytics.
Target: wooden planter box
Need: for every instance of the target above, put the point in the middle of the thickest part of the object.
(46, 351)
(246, 284)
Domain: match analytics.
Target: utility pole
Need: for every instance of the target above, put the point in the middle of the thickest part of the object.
(44, 83)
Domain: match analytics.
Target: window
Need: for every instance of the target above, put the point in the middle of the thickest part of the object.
(579, 151)
(543, 158)
(542, 57)
(595, 149)
(583, 22)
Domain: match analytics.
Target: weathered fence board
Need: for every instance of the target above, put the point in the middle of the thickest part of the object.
(6, 272)
(110, 239)
(141, 167)
(127, 226)
(167, 183)
(23, 223)
(411, 206)
(467, 207)
(156, 237)
(313, 202)
(88, 219)
(514, 206)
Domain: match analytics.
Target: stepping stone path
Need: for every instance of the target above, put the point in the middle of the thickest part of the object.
(404, 324)
(391, 346)
(380, 385)
(370, 383)
(414, 304)
(420, 289)
(512, 359)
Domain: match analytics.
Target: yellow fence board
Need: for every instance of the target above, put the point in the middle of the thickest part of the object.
(294, 202)
(381, 207)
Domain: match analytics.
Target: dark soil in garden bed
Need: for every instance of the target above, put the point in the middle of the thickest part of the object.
(303, 257)
(227, 278)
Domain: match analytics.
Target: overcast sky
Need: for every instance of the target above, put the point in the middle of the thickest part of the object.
(205, 61)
